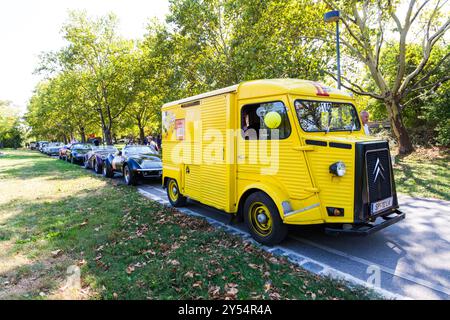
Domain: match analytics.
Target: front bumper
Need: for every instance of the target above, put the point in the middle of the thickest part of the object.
(366, 229)
(79, 158)
(149, 173)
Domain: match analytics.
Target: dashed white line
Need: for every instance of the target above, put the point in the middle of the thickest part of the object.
(326, 269)
(369, 263)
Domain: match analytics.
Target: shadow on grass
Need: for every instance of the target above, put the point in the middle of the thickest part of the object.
(136, 249)
(40, 166)
(76, 224)
(423, 179)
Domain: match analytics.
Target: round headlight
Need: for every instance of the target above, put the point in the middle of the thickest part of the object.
(338, 168)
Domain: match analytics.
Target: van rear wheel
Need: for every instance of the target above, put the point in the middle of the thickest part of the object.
(176, 199)
(263, 219)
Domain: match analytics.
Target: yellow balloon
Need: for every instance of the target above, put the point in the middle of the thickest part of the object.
(272, 120)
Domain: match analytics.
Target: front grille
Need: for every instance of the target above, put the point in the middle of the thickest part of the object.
(378, 171)
(367, 189)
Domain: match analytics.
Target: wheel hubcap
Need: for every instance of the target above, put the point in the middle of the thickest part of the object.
(260, 219)
(173, 191)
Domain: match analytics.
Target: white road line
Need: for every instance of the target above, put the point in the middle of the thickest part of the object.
(402, 275)
(399, 274)
(326, 269)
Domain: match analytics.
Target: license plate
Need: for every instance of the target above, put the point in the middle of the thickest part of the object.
(381, 205)
(152, 173)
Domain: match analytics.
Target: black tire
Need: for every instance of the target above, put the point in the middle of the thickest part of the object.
(174, 195)
(97, 167)
(67, 158)
(107, 171)
(86, 164)
(270, 230)
(129, 177)
(72, 161)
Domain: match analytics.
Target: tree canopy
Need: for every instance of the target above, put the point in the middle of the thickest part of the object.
(104, 84)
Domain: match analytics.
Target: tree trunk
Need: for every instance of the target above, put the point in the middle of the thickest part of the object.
(141, 135)
(404, 141)
(83, 135)
(107, 136)
(141, 131)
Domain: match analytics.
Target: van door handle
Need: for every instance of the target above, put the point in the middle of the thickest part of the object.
(241, 157)
(304, 148)
(187, 169)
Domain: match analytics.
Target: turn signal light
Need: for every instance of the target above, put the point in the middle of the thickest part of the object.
(335, 212)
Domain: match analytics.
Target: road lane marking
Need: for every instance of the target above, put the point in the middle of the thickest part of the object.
(399, 274)
(302, 260)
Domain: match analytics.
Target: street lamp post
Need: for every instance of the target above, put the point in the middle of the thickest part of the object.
(333, 16)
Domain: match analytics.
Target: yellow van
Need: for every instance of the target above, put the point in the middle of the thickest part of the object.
(279, 152)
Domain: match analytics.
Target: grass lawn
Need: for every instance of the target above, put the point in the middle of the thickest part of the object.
(424, 173)
(54, 216)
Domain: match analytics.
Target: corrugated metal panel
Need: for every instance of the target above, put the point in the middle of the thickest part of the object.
(215, 173)
(334, 191)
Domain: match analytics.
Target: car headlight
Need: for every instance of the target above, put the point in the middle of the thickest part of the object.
(338, 168)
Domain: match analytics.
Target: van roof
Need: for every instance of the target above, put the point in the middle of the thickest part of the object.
(269, 87)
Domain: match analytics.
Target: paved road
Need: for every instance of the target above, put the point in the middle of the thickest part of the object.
(412, 257)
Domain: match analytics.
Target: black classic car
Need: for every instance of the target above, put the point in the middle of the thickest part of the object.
(94, 159)
(76, 152)
(134, 162)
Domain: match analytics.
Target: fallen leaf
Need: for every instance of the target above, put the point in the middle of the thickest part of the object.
(174, 262)
(81, 263)
(231, 293)
(274, 296)
(189, 274)
(267, 286)
(130, 269)
(56, 253)
(214, 291)
(253, 266)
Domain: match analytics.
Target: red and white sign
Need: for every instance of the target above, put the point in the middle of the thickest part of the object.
(179, 127)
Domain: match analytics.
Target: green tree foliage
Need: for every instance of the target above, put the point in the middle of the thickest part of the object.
(223, 42)
(101, 82)
(11, 134)
(369, 26)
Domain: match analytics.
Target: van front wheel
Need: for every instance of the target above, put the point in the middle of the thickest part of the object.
(263, 219)
(176, 199)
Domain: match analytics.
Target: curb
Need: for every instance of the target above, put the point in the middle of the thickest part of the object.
(302, 261)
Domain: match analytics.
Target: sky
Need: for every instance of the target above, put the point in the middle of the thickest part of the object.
(29, 27)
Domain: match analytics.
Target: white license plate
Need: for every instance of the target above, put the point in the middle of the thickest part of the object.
(381, 205)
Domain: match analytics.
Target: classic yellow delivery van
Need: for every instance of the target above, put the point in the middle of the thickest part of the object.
(279, 152)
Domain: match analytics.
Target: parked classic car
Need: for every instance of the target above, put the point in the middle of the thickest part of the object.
(40, 145)
(76, 152)
(52, 149)
(134, 162)
(94, 158)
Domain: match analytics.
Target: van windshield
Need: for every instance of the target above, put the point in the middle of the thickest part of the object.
(325, 116)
